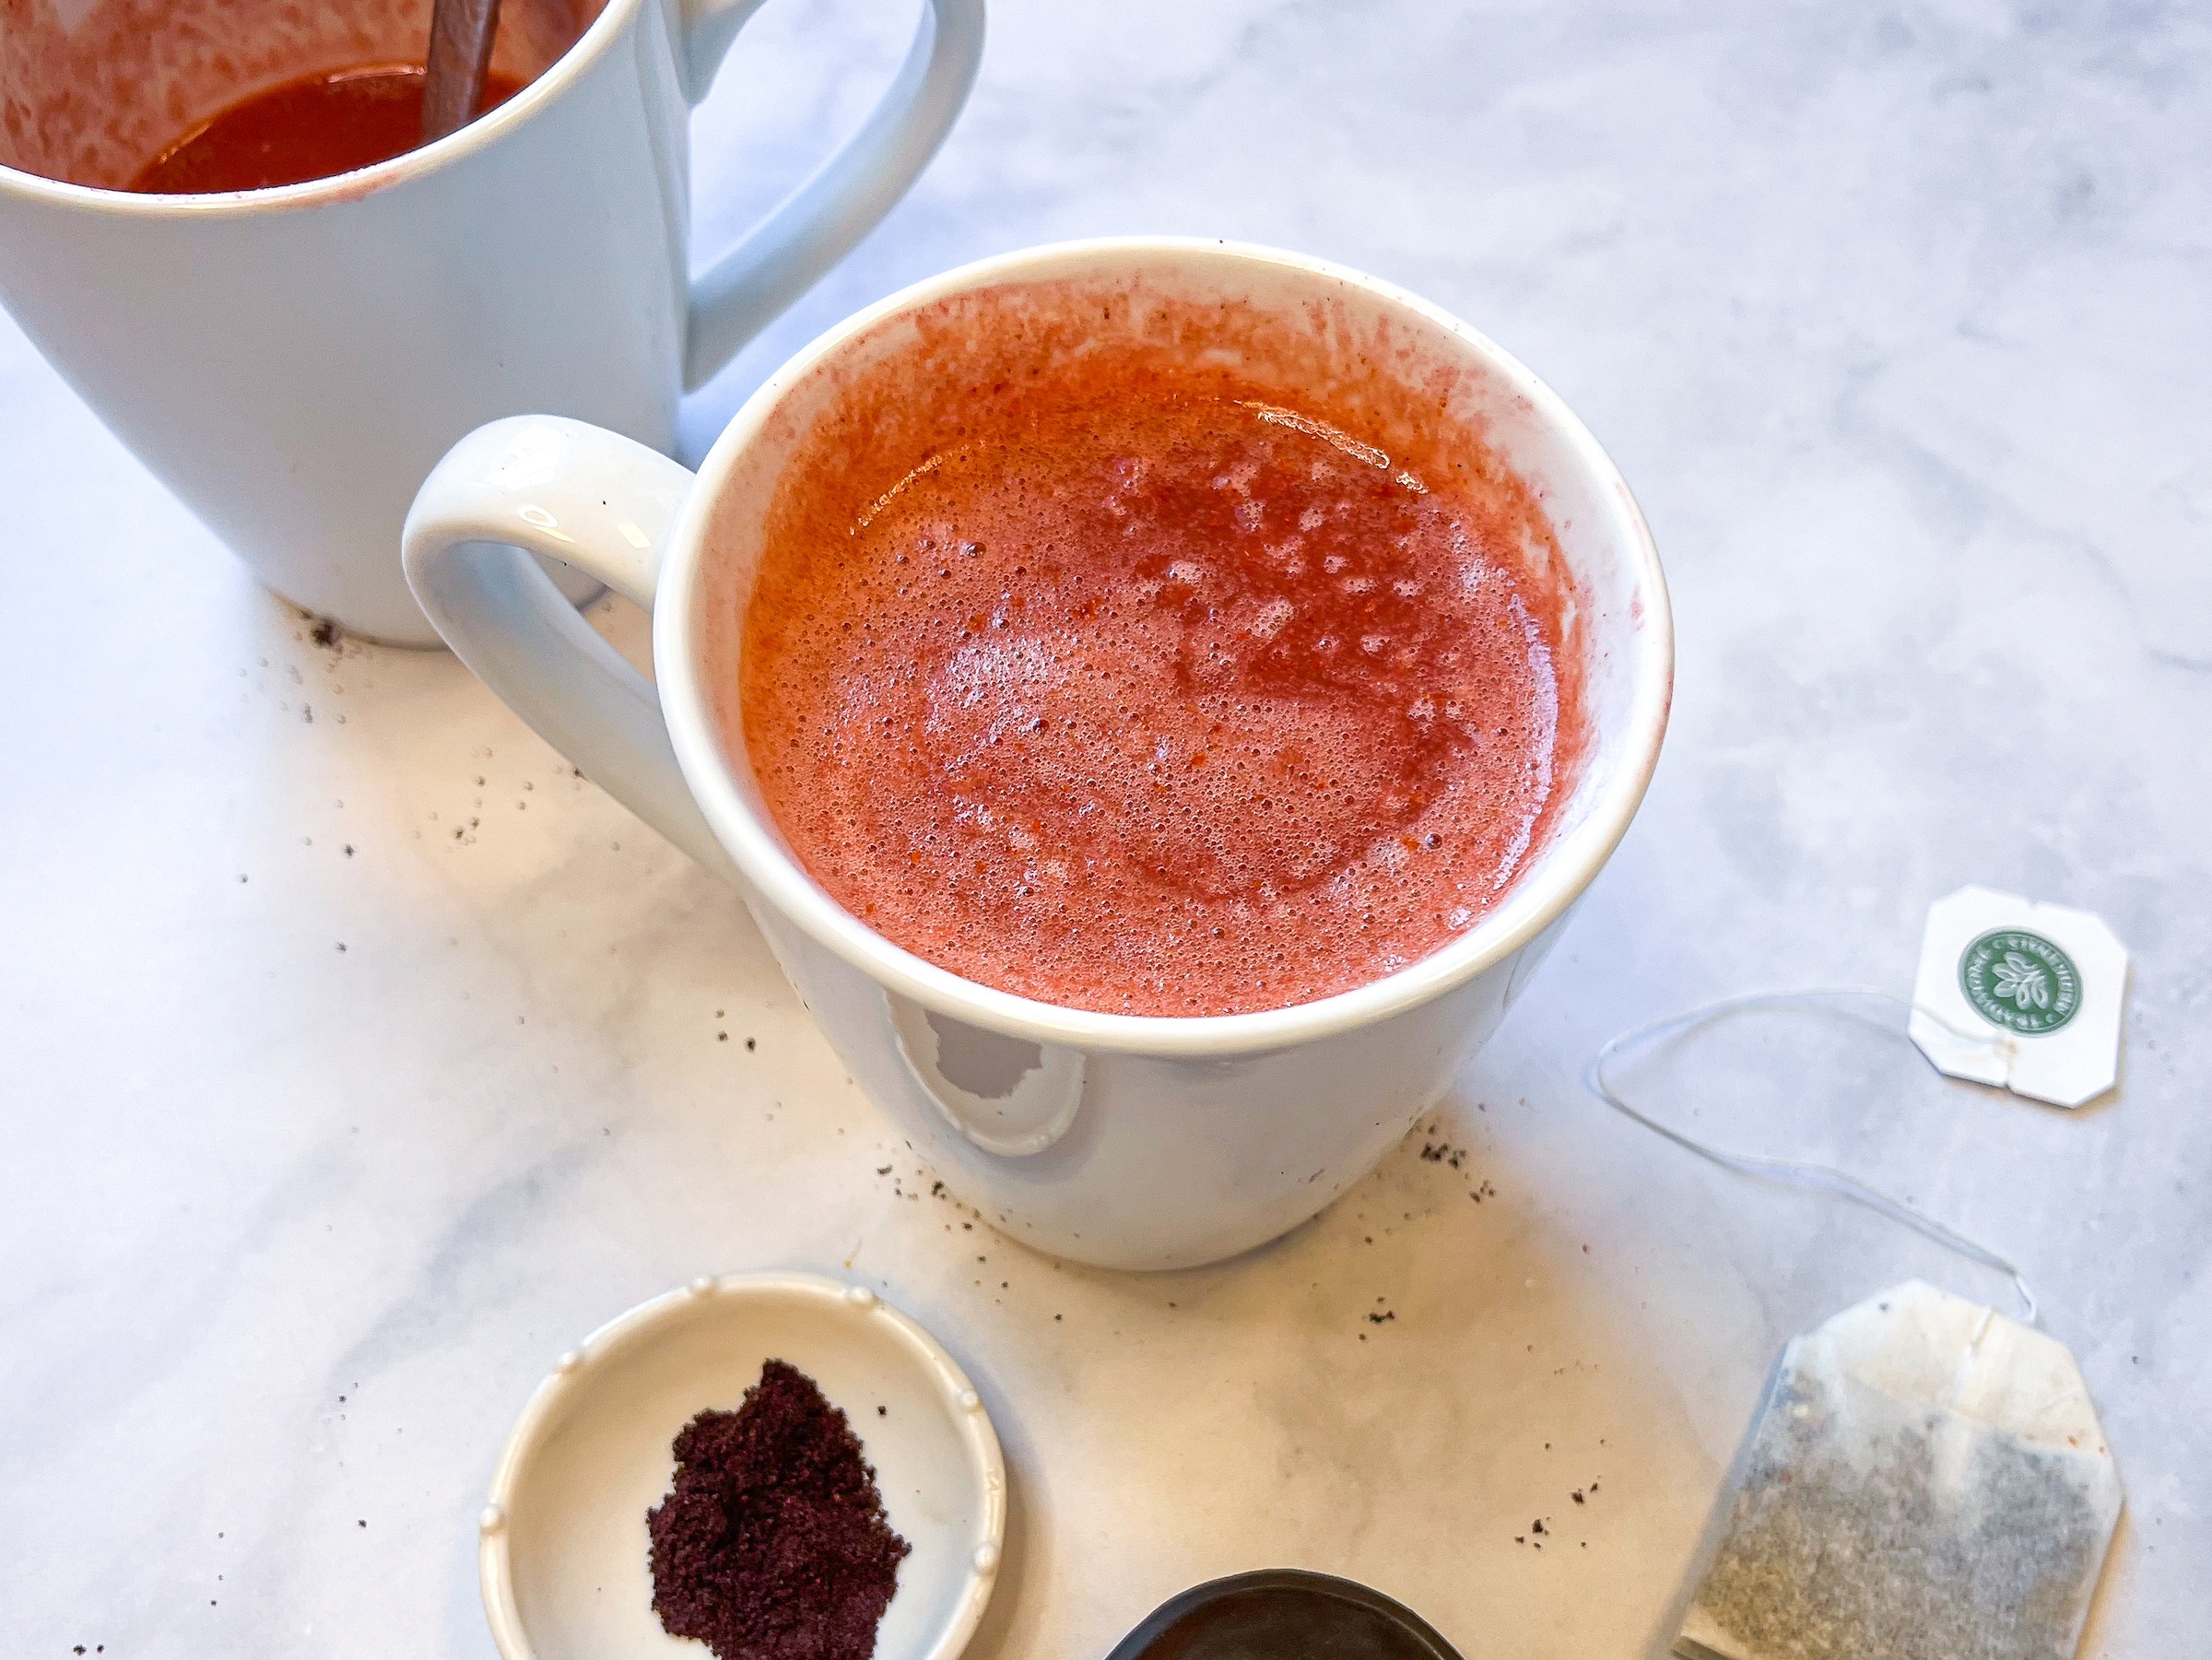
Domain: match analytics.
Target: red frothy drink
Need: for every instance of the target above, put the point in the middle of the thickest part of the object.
(1154, 694)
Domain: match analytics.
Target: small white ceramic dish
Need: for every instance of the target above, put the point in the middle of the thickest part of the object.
(563, 1548)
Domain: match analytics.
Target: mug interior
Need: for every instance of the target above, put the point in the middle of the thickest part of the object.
(864, 401)
(91, 90)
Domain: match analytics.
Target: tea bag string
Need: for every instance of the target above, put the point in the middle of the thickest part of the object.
(1795, 1173)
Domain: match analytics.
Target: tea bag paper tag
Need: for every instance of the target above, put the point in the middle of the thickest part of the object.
(2041, 988)
(1926, 1480)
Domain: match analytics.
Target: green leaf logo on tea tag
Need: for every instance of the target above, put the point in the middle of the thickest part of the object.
(2019, 980)
(2023, 995)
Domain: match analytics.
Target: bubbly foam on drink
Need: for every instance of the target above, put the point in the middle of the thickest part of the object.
(1156, 701)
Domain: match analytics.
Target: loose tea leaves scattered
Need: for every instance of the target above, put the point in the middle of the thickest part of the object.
(773, 1543)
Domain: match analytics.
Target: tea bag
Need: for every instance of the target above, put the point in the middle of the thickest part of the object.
(1925, 1480)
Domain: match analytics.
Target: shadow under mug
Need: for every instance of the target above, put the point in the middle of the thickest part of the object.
(291, 362)
(1125, 1141)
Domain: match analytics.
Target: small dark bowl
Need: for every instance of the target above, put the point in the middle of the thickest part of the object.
(1282, 1614)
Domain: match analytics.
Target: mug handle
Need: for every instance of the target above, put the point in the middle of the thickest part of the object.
(542, 483)
(818, 223)
(578, 494)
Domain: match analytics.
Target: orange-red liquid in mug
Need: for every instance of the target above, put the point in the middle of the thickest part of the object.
(1157, 703)
(314, 127)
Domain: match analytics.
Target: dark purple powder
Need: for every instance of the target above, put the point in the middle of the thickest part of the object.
(773, 1544)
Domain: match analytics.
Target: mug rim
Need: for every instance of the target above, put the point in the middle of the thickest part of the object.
(1562, 870)
(419, 162)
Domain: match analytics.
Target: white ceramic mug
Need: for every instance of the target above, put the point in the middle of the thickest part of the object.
(1115, 1139)
(291, 362)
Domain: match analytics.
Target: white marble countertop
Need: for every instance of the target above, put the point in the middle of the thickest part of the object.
(359, 1057)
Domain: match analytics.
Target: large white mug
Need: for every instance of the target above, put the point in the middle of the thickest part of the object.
(291, 362)
(1120, 1140)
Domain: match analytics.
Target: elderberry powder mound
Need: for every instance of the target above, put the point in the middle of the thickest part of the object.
(773, 1544)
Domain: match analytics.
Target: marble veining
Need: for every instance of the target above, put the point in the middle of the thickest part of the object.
(360, 1058)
